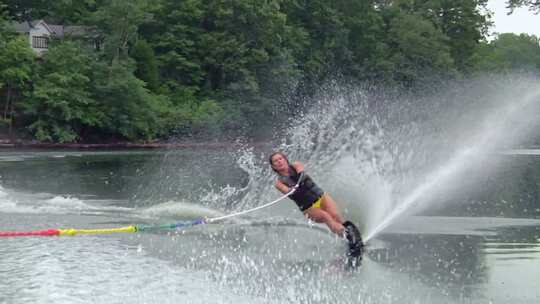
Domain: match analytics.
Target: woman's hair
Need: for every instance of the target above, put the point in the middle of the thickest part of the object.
(276, 153)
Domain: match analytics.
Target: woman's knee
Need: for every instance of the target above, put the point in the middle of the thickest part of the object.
(318, 215)
(321, 216)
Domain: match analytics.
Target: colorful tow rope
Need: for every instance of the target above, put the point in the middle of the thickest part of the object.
(127, 229)
(133, 228)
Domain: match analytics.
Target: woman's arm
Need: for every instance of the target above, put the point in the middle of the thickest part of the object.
(282, 187)
(298, 166)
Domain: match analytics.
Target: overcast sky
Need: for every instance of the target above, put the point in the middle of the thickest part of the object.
(520, 21)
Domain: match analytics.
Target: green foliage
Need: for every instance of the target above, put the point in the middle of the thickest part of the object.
(518, 51)
(465, 25)
(218, 45)
(147, 69)
(418, 50)
(533, 5)
(325, 44)
(16, 65)
(365, 31)
(192, 116)
(510, 52)
(174, 34)
(26, 10)
(120, 20)
(202, 67)
(130, 109)
(486, 60)
(237, 37)
(62, 11)
(70, 11)
(16, 62)
(235, 50)
(5, 31)
(462, 21)
(61, 102)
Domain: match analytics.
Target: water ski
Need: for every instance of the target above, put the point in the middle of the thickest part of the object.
(356, 246)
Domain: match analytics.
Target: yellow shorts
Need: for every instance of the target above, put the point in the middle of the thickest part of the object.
(317, 203)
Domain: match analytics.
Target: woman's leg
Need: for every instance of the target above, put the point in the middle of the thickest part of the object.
(321, 216)
(328, 205)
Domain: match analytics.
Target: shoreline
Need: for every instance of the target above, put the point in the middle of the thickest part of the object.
(121, 145)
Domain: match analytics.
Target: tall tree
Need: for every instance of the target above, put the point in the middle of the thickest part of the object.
(365, 27)
(418, 50)
(325, 46)
(147, 68)
(61, 105)
(462, 21)
(510, 52)
(534, 5)
(247, 56)
(68, 12)
(226, 50)
(120, 21)
(174, 33)
(62, 11)
(5, 31)
(131, 111)
(16, 65)
(216, 43)
(26, 10)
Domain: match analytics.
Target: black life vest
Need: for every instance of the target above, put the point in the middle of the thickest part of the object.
(307, 193)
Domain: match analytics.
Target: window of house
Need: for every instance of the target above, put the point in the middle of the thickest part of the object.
(40, 42)
(98, 44)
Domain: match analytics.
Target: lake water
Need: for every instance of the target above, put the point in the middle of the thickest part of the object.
(271, 256)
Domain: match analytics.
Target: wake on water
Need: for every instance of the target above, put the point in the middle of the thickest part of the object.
(384, 156)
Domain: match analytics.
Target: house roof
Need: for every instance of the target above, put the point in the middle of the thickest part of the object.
(57, 30)
(23, 27)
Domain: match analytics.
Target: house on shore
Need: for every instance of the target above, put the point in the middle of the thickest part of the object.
(39, 34)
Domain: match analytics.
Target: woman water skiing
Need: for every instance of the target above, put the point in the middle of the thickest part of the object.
(311, 199)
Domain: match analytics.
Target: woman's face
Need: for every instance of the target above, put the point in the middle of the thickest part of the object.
(279, 163)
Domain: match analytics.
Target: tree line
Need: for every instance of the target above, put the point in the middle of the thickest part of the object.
(207, 67)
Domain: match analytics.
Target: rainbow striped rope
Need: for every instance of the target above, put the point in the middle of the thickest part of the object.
(127, 229)
(133, 228)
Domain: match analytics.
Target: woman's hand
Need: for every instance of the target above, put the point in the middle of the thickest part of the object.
(282, 187)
